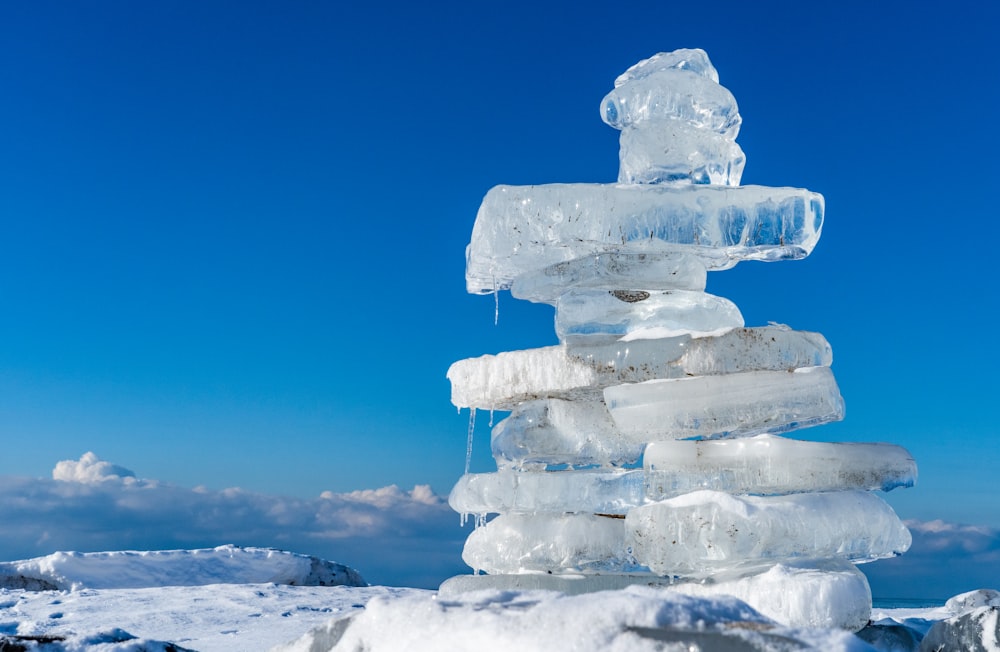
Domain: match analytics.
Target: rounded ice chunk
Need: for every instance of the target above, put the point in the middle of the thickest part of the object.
(596, 492)
(682, 85)
(703, 532)
(517, 543)
(668, 151)
(730, 405)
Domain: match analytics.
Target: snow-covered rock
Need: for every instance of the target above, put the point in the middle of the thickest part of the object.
(133, 569)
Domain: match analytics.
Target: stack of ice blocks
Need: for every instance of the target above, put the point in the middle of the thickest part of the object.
(645, 447)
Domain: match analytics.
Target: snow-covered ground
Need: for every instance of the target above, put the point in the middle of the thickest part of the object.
(229, 599)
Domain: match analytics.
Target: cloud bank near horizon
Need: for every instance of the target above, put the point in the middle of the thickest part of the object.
(392, 536)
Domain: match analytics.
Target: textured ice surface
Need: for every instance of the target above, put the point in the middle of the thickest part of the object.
(600, 492)
(741, 404)
(522, 229)
(513, 543)
(504, 380)
(670, 151)
(832, 595)
(975, 631)
(612, 271)
(705, 531)
(774, 465)
(558, 432)
(682, 85)
(602, 316)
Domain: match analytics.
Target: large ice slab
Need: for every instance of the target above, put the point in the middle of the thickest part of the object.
(787, 593)
(517, 543)
(766, 464)
(741, 404)
(612, 271)
(521, 229)
(705, 531)
(556, 432)
(502, 381)
(601, 316)
(762, 465)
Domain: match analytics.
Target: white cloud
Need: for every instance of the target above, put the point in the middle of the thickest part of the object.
(89, 469)
(391, 536)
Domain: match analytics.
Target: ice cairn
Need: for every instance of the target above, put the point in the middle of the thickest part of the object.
(647, 447)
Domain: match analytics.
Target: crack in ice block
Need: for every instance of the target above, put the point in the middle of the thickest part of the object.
(811, 594)
(504, 380)
(704, 531)
(595, 492)
(522, 229)
(519, 543)
(731, 405)
(561, 433)
(770, 465)
(612, 271)
(600, 316)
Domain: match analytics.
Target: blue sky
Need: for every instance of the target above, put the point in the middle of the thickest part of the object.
(232, 246)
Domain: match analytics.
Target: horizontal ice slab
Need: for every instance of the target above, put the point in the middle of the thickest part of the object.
(555, 432)
(596, 315)
(596, 492)
(513, 543)
(762, 465)
(742, 404)
(785, 593)
(705, 531)
(521, 229)
(774, 465)
(612, 271)
(504, 380)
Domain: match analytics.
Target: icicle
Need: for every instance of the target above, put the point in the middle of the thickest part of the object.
(463, 518)
(496, 302)
(468, 443)
(480, 520)
(491, 417)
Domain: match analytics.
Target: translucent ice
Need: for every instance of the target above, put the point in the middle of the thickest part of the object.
(557, 432)
(612, 271)
(516, 543)
(504, 380)
(597, 492)
(704, 531)
(741, 404)
(774, 465)
(682, 85)
(521, 229)
(669, 151)
(597, 315)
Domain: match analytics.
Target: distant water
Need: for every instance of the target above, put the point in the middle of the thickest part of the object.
(906, 603)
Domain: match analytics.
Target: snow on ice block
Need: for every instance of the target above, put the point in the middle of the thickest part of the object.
(596, 315)
(638, 619)
(766, 464)
(560, 433)
(507, 379)
(518, 543)
(703, 532)
(600, 492)
(612, 271)
(521, 229)
(741, 404)
(811, 594)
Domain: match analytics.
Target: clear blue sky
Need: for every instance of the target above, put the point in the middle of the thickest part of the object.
(232, 234)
